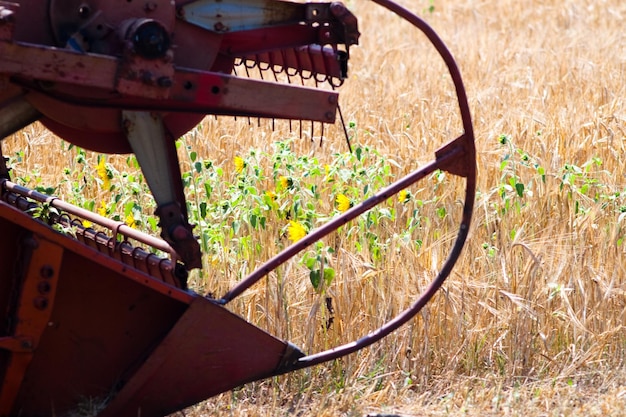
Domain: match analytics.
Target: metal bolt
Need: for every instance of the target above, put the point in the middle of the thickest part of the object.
(44, 287)
(332, 99)
(150, 6)
(30, 242)
(329, 115)
(165, 82)
(220, 27)
(40, 303)
(46, 271)
(146, 78)
(337, 8)
(84, 11)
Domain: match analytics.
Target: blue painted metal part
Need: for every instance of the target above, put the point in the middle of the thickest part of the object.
(240, 15)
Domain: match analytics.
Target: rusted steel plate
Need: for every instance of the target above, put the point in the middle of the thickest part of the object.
(106, 319)
(117, 339)
(209, 351)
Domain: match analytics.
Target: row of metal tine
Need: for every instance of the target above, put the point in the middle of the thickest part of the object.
(311, 65)
(112, 240)
(311, 62)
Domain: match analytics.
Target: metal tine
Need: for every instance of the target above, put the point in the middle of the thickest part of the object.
(285, 66)
(247, 68)
(317, 84)
(299, 70)
(320, 74)
(345, 129)
(309, 62)
(238, 62)
(327, 77)
(290, 59)
(306, 74)
(261, 68)
(277, 68)
(250, 63)
(276, 63)
(263, 64)
(334, 81)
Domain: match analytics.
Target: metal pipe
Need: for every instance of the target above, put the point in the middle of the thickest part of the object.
(116, 227)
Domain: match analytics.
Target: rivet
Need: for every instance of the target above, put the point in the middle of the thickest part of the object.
(40, 303)
(84, 11)
(43, 287)
(46, 271)
(165, 82)
(150, 6)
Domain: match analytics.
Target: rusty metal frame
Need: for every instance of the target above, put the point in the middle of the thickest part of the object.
(192, 91)
(168, 88)
(114, 239)
(115, 226)
(33, 314)
(17, 217)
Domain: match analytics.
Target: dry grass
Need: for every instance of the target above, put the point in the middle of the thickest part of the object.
(536, 327)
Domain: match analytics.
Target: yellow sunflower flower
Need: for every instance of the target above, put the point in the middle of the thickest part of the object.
(130, 221)
(87, 224)
(328, 177)
(295, 231)
(404, 196)
(102, 210)
(343, 202)
(283, 182)
(101, 169)
(239, 164)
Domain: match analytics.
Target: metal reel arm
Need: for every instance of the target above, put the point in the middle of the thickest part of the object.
(458, 157)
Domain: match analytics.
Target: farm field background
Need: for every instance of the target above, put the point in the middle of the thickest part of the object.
(531, 321)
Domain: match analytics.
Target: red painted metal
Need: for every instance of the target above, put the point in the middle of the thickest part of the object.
(114, 244)
(93, 318)
(110, 334)
(38, 290)
(82, 90)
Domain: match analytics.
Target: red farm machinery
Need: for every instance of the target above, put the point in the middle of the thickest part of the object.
(92, 316)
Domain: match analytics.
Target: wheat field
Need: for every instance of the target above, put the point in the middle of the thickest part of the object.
(532, 320)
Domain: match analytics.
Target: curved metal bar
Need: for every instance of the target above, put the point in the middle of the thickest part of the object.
(457, 157)
(443, 51)
(88, 215)
(456, 149)
(467, 169)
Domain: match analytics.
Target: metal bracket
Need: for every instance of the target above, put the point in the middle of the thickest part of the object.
(32, 316)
